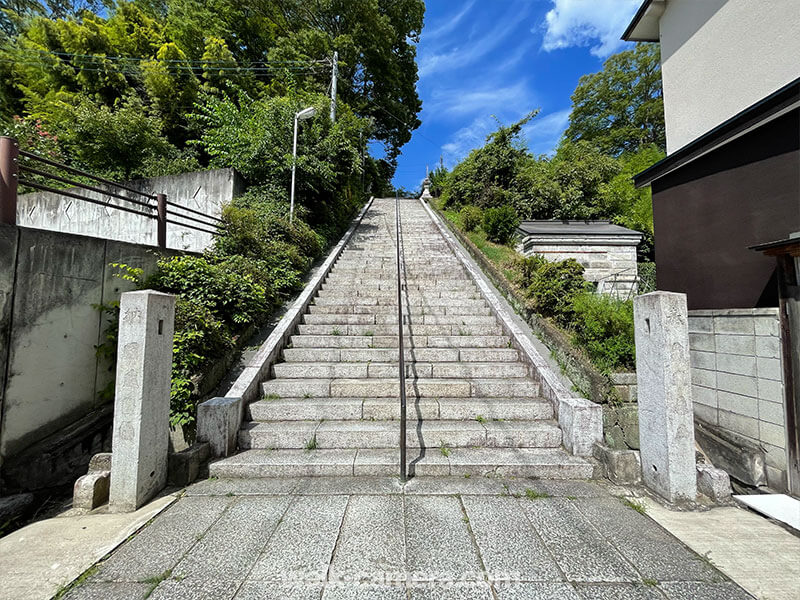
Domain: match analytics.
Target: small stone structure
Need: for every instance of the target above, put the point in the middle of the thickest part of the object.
(141, 406)
(665, 395)
(606, 251)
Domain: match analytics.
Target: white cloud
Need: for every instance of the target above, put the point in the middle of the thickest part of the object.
(467, 138)
(595, 23)
(543, 132)
(468, 51)
(447, 103)
(448, 26)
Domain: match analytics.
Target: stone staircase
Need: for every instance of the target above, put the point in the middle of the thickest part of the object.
(332, 405)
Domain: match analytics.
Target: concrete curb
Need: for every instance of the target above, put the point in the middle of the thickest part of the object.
(581, 421)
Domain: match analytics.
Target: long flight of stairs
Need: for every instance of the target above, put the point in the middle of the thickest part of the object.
(332, 405)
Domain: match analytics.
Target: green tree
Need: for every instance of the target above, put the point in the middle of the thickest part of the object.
(621, 108)
(486, 177)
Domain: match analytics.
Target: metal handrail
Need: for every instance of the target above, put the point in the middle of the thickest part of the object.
(82, 173)
(402, 362)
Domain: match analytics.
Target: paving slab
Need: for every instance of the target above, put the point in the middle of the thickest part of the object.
(159, 547)
(620, 591)
(454, 555)
(655, 553)
(270, 590)
(371, 544)
(579, 549)
(300, 549)
(535, 591)
(43, 557)
(507, 542)
(111, 591)
(229, 549)
(448, 538)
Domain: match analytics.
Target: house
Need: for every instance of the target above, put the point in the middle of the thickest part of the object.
(726, 203)
(606, 251)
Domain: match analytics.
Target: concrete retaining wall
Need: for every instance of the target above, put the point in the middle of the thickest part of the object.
(49, 326)
(204, 191)
(737, 379)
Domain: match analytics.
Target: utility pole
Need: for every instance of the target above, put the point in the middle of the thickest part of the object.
(334, 77)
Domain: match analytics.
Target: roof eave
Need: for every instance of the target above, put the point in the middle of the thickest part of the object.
(644, 25)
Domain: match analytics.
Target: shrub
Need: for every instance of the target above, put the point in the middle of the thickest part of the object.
(500, 224)
(647, 277)
(471, 217)
(233, 297)
(199, 340)
(554, 286)
(603, 326)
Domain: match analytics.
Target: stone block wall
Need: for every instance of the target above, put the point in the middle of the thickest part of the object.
(609, 263)
(737, 379)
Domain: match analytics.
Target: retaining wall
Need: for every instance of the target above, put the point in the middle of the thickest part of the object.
(737, 379)
(51, 413)
(204, 191)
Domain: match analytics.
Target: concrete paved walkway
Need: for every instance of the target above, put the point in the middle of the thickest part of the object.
(432, 538)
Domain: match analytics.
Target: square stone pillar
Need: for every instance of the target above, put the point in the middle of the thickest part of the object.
(140, 442)
(666, 417)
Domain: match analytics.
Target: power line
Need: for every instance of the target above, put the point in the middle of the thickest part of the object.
(324, 61)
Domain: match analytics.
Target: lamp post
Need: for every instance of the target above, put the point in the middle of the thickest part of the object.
(304, 114)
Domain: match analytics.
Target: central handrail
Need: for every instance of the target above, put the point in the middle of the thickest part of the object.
(402, 362)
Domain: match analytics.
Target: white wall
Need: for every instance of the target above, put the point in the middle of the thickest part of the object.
(204, 191)
(721, 56)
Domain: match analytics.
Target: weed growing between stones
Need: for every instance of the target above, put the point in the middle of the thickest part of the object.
(636, 505)
(531, 494)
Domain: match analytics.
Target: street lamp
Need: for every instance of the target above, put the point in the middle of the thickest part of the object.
(304, 114)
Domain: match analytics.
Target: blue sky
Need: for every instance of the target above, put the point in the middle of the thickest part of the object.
(479, 58)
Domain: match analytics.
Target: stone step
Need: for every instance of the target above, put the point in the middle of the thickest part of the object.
(391, 341)
(391, 354)
(457, 409)
(392, 301)
(387, 309)
(367, 319)
(392, 285)
(383, 370)
(412, 329)
(384, 434)
(390, 388)
(335, 279)
(424, 294)
(540, 463)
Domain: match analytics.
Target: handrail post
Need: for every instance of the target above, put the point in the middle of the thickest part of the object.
(9, 178)
(402, 362)
(161, 200)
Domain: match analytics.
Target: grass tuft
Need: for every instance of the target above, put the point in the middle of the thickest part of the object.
(531, 494)
(636, 505)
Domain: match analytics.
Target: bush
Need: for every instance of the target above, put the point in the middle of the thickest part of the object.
(500, 224)
(232, 297)
(471, 217)
(647, 277)
(554, 286)
(199, 340)
(603, 326)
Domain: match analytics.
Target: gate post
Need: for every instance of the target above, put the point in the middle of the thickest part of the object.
(9, 178)
(140, 442)
(666, 414)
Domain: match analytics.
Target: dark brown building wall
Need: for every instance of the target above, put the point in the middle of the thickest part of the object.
(708, 213)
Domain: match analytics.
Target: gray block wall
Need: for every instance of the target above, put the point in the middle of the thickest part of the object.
(737, 378)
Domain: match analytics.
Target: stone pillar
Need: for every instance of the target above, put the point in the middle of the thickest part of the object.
(666, 419)
(140, 443)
